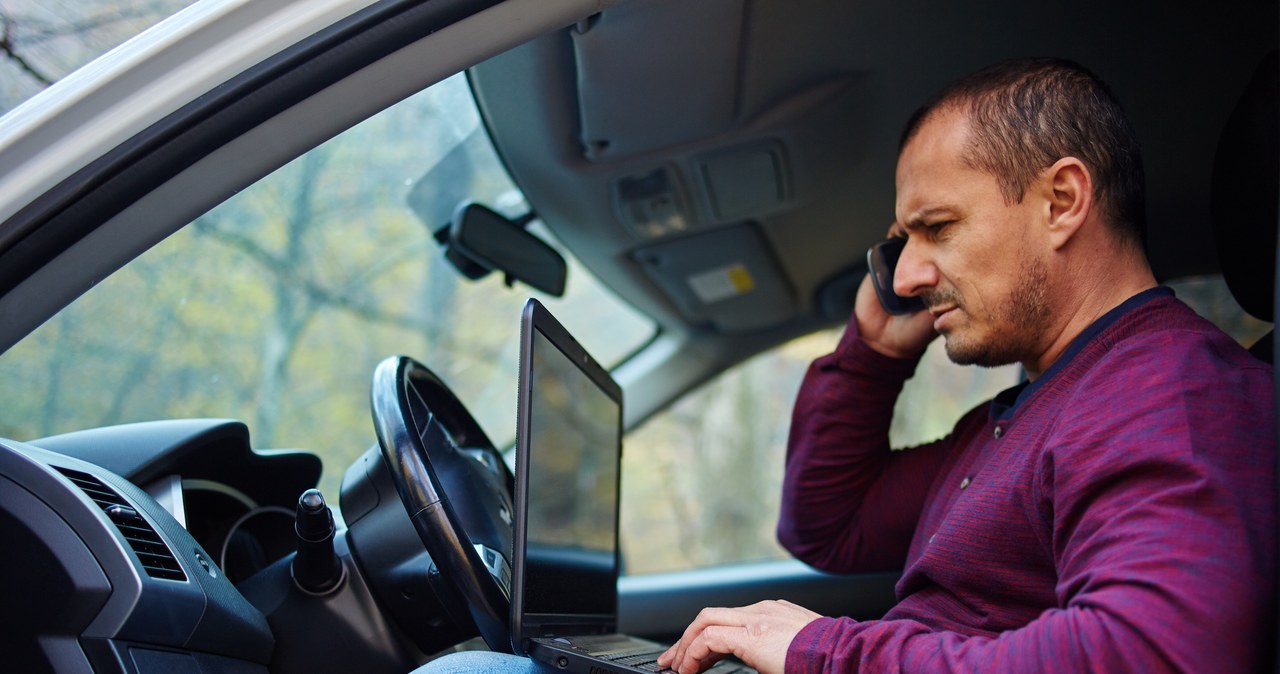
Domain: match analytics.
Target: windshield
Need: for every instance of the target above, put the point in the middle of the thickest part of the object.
(275, 307)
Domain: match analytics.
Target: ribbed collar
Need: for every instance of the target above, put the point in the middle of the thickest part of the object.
(1006, 403)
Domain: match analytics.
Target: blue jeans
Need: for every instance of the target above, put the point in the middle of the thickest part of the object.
(467, 662)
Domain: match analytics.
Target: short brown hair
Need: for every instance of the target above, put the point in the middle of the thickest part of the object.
(1026, 114)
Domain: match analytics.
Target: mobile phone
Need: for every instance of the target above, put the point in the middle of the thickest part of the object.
(882, 259)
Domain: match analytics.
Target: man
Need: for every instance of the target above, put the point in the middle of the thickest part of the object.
(1115, 513)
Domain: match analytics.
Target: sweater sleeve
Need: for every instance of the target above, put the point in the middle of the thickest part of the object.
(850, 503)
(1162, 535)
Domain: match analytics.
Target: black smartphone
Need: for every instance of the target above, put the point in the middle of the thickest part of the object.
(882, 259)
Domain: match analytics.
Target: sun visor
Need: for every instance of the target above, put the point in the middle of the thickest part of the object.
(726, 277)
(635, 95)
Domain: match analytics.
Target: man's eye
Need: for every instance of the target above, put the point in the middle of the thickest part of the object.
(935, 229)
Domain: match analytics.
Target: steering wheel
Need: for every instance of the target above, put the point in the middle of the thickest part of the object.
(455, 487)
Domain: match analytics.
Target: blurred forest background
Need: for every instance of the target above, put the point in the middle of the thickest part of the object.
(274, 307)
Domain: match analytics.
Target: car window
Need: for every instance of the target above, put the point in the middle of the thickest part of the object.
(275, 307)
(702, 479)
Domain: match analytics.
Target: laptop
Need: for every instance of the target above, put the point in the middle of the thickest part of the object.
(564, 583)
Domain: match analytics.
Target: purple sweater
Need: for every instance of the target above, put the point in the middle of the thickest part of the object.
(1116, 515)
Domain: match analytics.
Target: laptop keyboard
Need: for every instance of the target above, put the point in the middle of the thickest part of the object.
(624, 651)
(640, 658)
(647, 660)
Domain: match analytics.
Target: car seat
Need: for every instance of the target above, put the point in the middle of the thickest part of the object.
(1245, 197)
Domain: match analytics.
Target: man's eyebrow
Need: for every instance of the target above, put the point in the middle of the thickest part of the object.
(917, 219)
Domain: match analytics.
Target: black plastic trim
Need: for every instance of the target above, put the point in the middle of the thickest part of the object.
(210, 449)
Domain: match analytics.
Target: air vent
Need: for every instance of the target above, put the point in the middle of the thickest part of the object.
(156, 558)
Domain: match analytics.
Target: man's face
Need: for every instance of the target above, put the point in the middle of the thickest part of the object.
(975, 260)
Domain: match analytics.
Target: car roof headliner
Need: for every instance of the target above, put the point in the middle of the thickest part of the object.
(803, 102)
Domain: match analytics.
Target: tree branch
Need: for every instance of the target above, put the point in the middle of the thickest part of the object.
(11, 52)
(318, 293)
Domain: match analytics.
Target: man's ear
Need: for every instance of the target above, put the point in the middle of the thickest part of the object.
(1069, 193)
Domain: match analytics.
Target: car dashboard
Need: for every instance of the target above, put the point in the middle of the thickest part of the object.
(116, 542)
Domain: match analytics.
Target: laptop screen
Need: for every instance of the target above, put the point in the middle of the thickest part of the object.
(568, 449)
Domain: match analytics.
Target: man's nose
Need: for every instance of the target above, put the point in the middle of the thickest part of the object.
(915, 273)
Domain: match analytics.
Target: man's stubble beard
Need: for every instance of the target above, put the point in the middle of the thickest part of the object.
(1017, 327)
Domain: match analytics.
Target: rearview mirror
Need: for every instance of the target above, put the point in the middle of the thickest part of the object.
(480, 240)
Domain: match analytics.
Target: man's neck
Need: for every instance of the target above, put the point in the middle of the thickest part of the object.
(1088, 295)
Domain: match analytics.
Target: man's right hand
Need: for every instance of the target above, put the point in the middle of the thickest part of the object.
(894, 336)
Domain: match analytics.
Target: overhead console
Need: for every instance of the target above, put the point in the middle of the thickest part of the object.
(713, 261)
(730, 185)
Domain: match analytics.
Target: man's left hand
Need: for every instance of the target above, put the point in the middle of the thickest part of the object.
(759, 635)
